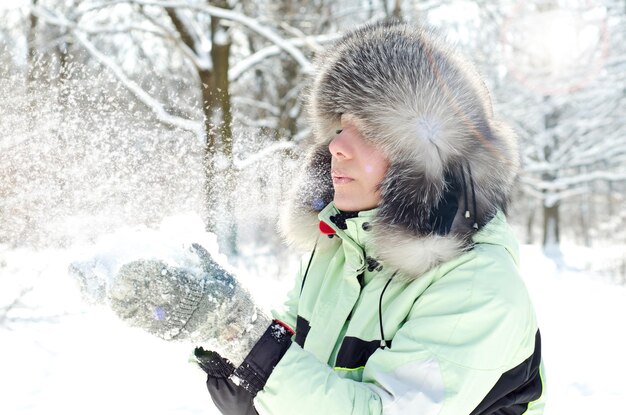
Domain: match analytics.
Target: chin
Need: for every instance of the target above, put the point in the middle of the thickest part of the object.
(346, 208)
(352, 206)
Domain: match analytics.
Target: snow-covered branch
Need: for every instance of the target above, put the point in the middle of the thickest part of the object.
(550, 198)
(196, 46)
(246, 21)
(272, 109)
(267, 151)
(161, 31)
(313, 42)
(149, 101)
(260, 123)
(120, 29)
(578, 159)
(564, 183)
(302, 135)
(156, 107)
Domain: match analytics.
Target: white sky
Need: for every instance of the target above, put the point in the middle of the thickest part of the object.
(12, 4)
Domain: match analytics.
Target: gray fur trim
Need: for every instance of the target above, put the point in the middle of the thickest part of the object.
(312, 192)
(412, 256)
(430, 112)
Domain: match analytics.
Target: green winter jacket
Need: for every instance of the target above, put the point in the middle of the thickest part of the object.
(460, 339)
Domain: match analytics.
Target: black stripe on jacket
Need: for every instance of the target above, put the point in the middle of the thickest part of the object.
(516, 388)
(354, 352)
(302, 330)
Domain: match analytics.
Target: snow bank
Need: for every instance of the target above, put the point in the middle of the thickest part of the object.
(581, 319)
(61, 356)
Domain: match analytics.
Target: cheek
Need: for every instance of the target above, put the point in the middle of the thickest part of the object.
(376, 169)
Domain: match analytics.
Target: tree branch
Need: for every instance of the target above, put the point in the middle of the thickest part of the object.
(226, 14)
(150, 102)
(313, 42)
(267, 151)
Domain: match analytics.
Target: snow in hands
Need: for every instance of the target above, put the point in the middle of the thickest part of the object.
(186, 295)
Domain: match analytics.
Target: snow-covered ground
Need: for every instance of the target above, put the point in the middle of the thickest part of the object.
(583, 326)
(60, 355)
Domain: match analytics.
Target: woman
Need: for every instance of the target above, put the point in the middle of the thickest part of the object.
(410, 299)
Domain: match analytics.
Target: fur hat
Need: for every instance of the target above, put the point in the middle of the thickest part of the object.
(452, 165)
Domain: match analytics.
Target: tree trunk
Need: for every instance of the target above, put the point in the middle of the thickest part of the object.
(224, 180)
(287, 126)
(551, 237)
(64, 76)
(32, 48)
(585, 214)
(219, 183)
(530, 222)
(551, 228)
(206, 82)
(397, 10)
(31, 70)
(385, 7)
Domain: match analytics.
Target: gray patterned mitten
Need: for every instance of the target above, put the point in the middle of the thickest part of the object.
(202, 304)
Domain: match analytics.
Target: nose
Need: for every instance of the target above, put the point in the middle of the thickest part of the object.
(340, 146)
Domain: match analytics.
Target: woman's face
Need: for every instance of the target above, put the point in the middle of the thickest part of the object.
(357, 169)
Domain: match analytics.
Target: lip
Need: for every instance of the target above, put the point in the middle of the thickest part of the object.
(340, 177)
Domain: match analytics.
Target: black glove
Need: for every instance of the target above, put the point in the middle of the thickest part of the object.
(229, 398)
(233, 389)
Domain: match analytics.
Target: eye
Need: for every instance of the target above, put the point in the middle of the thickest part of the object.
(338, 131)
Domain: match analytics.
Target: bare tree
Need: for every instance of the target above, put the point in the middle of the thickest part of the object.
(200, 33)
(572, 142)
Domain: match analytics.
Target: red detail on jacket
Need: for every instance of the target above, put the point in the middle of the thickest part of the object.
(289, 329)
(326, 229)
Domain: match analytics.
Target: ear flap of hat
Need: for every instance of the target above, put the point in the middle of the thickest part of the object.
(408, 198)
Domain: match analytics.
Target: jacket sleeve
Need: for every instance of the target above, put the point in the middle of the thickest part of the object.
(459, 340)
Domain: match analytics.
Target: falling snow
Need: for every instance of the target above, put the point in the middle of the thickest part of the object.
(102, 165)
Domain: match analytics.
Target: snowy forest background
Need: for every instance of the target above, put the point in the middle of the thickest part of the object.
(124, 114)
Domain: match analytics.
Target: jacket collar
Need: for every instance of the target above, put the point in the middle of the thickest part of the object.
(411, 256)
(355, 230)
